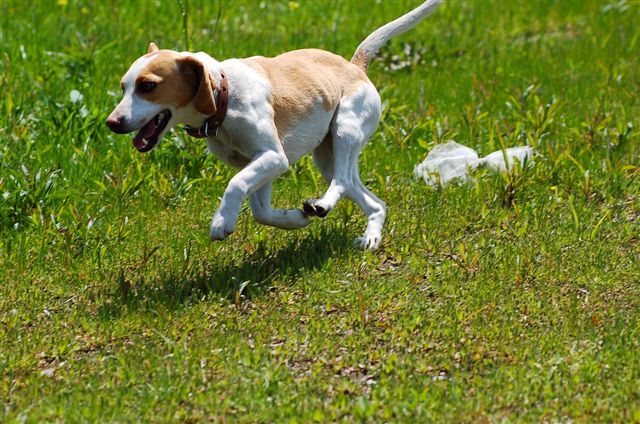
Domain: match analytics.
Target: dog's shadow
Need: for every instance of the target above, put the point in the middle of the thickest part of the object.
(233, 281)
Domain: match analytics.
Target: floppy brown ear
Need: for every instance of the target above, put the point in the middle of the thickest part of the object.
(203, 85)
(152, 48)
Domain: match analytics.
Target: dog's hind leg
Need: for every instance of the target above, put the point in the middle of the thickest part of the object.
(339, 183)
(372, 206)
(354, 122)
(359, 121)
(288, 219)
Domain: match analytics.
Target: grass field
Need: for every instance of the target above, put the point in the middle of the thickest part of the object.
(515, 297)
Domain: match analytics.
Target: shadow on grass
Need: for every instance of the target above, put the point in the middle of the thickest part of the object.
(227, 279)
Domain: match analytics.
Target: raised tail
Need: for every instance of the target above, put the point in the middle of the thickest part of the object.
(369, 47)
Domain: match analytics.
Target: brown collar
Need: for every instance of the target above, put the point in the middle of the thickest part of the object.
(211, 125)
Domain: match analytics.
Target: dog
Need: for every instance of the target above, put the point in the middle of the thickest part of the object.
(261, 115)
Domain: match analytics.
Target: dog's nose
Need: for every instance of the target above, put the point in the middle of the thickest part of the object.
(115, 124)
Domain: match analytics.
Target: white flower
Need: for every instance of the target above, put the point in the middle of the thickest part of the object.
(76, 96)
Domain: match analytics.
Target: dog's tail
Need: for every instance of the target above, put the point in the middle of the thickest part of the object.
(369, 47)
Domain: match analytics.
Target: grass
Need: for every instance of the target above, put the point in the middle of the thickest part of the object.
(515, 297)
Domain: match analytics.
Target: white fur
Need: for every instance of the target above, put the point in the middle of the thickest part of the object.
(307, 133)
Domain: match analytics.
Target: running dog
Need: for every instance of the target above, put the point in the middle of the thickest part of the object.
(261, 115)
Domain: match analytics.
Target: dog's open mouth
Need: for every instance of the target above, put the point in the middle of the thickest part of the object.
(148, 136)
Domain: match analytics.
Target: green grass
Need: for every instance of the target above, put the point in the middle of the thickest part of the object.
(516, 297)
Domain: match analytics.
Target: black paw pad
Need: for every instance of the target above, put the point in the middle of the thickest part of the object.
(308, 208)
(321, 212)
(311, 208)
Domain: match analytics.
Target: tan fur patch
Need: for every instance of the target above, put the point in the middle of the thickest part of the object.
(361, 60)
(300, 77)
(177, 86)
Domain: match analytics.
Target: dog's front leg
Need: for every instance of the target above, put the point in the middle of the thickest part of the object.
(264, 167)
(287, 219)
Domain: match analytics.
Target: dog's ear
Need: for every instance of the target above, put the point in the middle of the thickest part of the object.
(197, 76)
(152, 48)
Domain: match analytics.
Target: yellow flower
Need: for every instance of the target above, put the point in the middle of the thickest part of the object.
(293, 5)
(63, 2)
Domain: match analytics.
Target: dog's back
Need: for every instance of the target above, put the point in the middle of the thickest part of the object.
(303, 81)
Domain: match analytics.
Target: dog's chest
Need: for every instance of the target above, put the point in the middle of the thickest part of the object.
(222, 147)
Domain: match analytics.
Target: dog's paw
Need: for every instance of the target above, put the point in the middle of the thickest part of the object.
(312, 207)
(221, 228)
(298, 217)
(368, 241)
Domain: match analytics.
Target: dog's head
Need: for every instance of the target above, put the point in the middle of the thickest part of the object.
(161, 89)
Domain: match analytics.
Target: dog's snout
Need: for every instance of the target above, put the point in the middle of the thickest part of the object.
(116, 124)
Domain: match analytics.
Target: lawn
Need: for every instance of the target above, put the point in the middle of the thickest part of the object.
(514, 297)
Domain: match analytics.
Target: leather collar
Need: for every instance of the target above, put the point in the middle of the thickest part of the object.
(211, 125)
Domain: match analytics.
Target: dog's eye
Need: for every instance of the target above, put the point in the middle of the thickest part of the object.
(147, 86)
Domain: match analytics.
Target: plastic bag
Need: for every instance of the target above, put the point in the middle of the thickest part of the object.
(449, 161)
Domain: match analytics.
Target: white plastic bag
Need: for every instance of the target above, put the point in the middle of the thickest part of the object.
(451, 160)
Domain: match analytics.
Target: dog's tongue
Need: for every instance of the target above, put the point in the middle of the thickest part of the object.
(144, 134)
